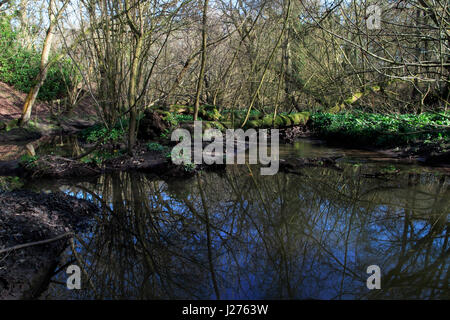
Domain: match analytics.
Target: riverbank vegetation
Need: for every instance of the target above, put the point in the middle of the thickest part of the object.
(149, 67)
(383, 131)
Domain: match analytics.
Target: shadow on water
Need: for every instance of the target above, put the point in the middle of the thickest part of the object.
(238, 235)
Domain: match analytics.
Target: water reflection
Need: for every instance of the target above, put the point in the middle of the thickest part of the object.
(238, 235)
(61, 145)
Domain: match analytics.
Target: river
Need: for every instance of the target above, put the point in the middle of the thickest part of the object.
(238, 235)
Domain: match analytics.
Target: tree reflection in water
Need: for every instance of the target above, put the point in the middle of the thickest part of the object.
(237, 235)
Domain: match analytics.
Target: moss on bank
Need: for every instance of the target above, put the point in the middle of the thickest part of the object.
(212, 118)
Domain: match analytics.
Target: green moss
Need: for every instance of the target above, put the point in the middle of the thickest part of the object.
(287, 121)
(267, 121)
(300, 118)
(227, 124)
(254, 124)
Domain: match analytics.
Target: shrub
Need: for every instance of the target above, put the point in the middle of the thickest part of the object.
(20, 66)
(100, 133)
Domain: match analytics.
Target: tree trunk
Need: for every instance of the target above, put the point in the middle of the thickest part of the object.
(203, 63)
(40, 79)
(133, 93)
(269, 61)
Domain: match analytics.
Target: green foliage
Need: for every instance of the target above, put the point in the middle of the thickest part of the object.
(10, 183)
(391, 169)
(239, 115)
(20, 66)
(210, 113)
(165, 134)
(11, 125)
(99, 156)
(174, 119)
(189, 167)
(28, 160)
(380, 130)
(100, 133)
(155, 146)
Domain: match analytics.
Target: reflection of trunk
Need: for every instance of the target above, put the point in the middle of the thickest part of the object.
(208, 239)
(203, 63)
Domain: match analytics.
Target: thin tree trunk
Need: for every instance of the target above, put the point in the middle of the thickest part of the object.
(255, 95)
(133, 94)
(203, 63)
(134, 75)
(40, 79)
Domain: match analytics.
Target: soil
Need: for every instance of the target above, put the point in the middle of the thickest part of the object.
(59, 167)
(11, 103)
(27, 217)
(19, 134)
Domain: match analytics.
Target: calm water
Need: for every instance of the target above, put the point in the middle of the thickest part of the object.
(238, 235)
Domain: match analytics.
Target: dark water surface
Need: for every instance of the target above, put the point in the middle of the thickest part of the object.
(239, 235)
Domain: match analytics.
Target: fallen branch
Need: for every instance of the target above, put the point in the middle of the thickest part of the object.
(37, 243)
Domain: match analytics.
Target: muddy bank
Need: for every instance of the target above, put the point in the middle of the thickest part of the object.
(19, 135)
(431, 154)
(423, 153)
(159, 165)
(30, 134)
(27, 218)
(59, 167)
